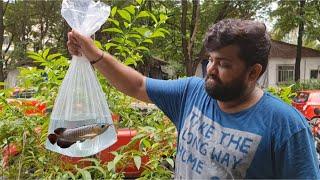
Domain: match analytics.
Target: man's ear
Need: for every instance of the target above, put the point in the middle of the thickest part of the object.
(255, 71)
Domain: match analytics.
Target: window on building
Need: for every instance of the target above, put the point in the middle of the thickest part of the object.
(285, 73)
(314, 74)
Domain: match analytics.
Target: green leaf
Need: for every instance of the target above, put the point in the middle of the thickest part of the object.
(111, 166)
(137, 36)
(157, 34)
(113, 11)
(143, 14)
(114, 21)
(125, 15)
(143, 31)
(45, 53)
(170, 161)
(53, 56)
(113, 30)
(130, 9)
(118, 40)
(69, 174)
(148, 41)
(142, 48)
(108, 45)
(163, 18)
(103, 172)
(163, 30)
(98, 44)
(137, 161)
(139, 1)
(126, 24)
(130, 43)
(85, 174)
(36, 58)
(130, 61)
(146, 143)
(117, 159)
(32, 53)
(139, 136)
(153, 18)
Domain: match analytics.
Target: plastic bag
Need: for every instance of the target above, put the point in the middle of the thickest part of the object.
(81, 123)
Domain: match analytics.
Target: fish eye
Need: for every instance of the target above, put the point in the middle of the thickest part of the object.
(102, 126)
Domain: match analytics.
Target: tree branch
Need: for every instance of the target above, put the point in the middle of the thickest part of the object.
(194, 26)
(8, 47)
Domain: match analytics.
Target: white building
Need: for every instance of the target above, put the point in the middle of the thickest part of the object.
(281, 65)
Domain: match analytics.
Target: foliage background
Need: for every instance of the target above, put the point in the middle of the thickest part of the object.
(136, 31)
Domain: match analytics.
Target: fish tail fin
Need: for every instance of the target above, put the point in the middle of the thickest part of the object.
(65, 144)
(53, 138)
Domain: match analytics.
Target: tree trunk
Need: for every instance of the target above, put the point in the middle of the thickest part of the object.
(1, 41)
(202, 54)
(299, 43)
(187, 43)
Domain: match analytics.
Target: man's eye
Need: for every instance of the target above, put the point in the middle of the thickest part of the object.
(225, 65)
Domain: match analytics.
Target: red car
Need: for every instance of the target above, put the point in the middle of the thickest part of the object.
(308, 103)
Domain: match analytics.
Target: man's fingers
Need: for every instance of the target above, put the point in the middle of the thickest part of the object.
(72, 38)
(74, 49)
(76, 36)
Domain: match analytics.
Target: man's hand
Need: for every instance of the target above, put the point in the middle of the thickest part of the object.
(81, 45)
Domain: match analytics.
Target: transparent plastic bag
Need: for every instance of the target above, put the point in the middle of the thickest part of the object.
(81, 123)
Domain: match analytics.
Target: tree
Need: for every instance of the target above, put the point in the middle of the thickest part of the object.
(3, 7)
(31, 25)
(1, 40)
(299, 46)
(300, 18)
(195, 18)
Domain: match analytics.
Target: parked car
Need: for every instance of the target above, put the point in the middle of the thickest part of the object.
(308, 103)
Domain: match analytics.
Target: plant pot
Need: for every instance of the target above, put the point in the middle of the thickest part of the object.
(124, 136)
(115, 117)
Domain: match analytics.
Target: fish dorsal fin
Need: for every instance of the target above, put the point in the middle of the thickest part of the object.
(59, 131)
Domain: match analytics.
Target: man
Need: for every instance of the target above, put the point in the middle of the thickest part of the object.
(227, 126)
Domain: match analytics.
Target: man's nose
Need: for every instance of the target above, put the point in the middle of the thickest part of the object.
(212, 67)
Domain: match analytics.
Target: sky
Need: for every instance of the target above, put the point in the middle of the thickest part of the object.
(263, 16)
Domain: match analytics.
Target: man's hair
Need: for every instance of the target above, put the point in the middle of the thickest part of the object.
(250, 36)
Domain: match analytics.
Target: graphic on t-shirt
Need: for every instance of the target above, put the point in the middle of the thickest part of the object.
(208, 150)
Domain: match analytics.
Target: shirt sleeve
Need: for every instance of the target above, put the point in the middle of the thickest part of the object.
(297, 158)
(168, 95)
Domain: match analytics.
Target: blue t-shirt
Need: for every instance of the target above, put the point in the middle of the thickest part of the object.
(268, 140)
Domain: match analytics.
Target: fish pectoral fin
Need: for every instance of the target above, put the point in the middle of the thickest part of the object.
(59, 131)
(52, 138)
(64, 144)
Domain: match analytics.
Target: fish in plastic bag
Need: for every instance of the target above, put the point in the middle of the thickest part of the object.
(81, 104)
(67, 137)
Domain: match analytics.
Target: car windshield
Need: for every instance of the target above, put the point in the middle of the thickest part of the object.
(302, 97)
(23, 93)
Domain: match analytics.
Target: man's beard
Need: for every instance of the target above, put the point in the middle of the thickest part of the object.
(227, 92)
